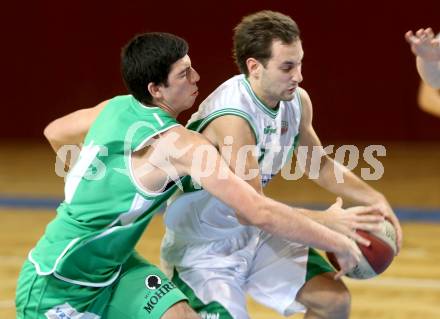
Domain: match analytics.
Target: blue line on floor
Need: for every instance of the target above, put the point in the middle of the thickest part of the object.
(404, 213)
(32, 203)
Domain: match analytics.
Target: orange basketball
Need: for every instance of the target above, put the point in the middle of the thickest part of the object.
(375, 258)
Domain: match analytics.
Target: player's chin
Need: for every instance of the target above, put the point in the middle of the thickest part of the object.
(190, 102)
(288, 96)
(188, 106)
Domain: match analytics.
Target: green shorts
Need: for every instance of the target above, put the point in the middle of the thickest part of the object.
(141, 291)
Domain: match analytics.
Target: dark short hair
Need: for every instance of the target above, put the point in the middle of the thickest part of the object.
(254, 35)
(148, 58)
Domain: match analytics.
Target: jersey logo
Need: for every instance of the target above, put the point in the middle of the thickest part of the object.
(269, 130)
(66, 311)
(153, 282)
(284, 127)
(157, 291)
(209, 315)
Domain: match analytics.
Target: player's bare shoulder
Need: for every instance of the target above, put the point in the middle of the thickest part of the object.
(180, 144)
(230, 125)
(185, 137)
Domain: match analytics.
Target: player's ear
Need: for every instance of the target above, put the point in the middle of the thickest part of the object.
(155, 90)
(254, 67)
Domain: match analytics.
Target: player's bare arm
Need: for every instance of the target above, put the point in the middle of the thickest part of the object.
(429, 99)
(243, 136)
(255, 209)
(239, 136)
(72, 128)
(352, 189)
(232, 135)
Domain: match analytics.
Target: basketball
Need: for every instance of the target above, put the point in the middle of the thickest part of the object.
(375, 258)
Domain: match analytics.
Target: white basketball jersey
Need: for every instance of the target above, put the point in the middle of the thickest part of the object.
(199, 216)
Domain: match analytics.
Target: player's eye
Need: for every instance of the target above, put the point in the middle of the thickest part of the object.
(286, 69)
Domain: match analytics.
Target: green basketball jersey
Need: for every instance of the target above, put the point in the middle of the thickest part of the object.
(105, 210)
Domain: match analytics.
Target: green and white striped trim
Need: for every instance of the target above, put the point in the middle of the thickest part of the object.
(296, 139)
(130, 170)
(298, 96)
(267, 110)
(213, 309)
(202, 123)
(293, 147)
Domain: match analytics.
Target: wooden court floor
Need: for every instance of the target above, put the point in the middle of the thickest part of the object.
(409, 289)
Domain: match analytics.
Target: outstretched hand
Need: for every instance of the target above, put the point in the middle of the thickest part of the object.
(424, 44)
(347, 221)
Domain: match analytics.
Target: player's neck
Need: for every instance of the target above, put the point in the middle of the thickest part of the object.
(262, 95)
(167, 108)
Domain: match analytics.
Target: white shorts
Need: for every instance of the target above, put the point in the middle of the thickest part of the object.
(270, 269)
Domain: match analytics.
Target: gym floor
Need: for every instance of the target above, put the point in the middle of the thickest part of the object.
(409, 289)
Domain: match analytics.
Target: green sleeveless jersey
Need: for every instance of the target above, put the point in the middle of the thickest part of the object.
(105, 210)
